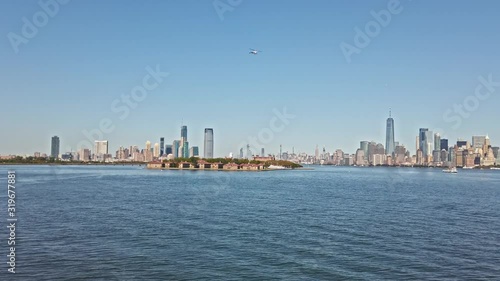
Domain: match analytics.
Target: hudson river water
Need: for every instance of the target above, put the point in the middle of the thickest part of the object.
(331, 223)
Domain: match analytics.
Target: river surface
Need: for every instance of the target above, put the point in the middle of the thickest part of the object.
(330, 223)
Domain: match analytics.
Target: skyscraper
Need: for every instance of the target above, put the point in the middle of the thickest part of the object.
(389, 135)
(425, 137)
(437, 142)
(162, 146)
(156, 151)
(185, 149)
(478, 142)
(175, 148)
(444, 144)
(363, 145)
(100, 150)
(184, 133)
(168, 149)
(54, 147)
(194, 151)
(208, 146)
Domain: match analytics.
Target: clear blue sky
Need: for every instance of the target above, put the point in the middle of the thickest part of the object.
(66, 77)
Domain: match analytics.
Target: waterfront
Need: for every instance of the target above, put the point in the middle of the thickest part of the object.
(331, 223)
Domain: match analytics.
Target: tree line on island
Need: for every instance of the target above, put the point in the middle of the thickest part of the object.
(195, 160)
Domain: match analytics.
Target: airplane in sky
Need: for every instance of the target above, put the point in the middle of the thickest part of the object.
(254, 52)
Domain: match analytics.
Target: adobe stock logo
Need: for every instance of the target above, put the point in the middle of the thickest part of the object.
(471, 103)
(50, 8)
(122, 106)
(372, 29)
(223, 6)
(277, 124)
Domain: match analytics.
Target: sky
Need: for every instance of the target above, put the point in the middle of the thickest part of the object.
(69, 76)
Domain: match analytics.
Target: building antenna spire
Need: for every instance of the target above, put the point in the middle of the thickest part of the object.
(390, 112)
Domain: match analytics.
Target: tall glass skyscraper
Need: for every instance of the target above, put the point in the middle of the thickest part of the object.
(444, 144)
(162, 146)
(175, 148)
(437, 141)
(389, 136)
(425, 141)
(184, 133)
(208, 148)
(54, 147)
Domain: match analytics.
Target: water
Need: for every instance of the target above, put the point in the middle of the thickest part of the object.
(331, 223)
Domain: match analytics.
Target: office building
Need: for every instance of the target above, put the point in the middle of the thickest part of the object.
(363, 145)
(156, 151)
(437, 141)
(462, 144)
(444, 144)
(184, 133)
(194, 152)
(389, 135)
(208, 145)
(184, 150)
(162, 146)
(478, 142)
(168, 149)
(54, 147)
(100, 150)
(426, 144)
(175, 148)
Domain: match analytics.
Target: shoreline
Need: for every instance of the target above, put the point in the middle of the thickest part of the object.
(305, 168)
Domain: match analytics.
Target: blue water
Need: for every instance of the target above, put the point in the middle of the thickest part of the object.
(331, 223)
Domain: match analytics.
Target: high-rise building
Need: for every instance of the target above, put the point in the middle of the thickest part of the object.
(156, 151)
(478, 142)
(100, 150)
(168, 149)
(194, 152)
(380, 149)
(422, 137)
(462, 144)
(425, 137)
(208, 146)
(444, 144)
(185, 149)
(184, 133)
(437, 141)
(54, 147)
(84, 154)
(175, 148)
(389, 135)
(262, 152)
(148, 146)
(241, 153)
(363, 145)
(162, 146)
(360, 157)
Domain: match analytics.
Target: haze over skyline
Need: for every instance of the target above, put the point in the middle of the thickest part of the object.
(426, 60)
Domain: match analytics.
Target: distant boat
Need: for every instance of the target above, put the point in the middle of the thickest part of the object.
(494, 168)
(467, 168)
(450, 170)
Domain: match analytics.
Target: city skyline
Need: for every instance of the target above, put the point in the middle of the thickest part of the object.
(428, 143)
(426, 84)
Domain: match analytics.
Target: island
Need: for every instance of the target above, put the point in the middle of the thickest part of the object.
(222, 164)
